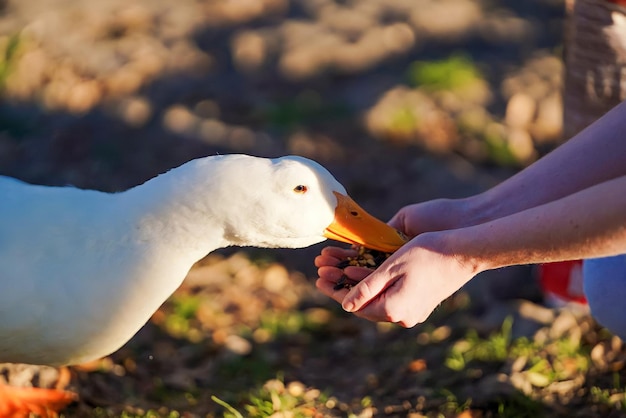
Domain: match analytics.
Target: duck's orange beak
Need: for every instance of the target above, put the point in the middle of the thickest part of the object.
(354, 225)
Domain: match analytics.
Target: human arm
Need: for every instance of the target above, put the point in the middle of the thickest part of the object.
(595, 155)
(432, 266)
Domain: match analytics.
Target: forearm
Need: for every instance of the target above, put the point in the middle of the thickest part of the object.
(586, 224)
(595, 155)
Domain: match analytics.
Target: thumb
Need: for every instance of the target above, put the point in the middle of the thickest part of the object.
(397, 221)
(366, 290)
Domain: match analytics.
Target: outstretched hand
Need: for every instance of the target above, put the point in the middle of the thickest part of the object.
(411, 283)
(405, 289)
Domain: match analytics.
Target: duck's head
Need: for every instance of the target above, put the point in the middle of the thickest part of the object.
(295, 202)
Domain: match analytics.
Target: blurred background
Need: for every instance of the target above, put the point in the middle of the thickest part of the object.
(403, 101)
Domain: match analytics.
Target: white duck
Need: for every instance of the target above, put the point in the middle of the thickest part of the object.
(81, 271)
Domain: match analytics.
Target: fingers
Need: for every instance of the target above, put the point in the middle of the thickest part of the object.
(339, 252)
(366, 290)
(331, 256)
(327, 287)
(330, 273)
(329, 276)
(397, 221)
(391, 306)
(334, 274)
(360, 294)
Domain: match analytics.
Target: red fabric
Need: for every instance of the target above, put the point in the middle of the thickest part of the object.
(563, 279)
(620, 2)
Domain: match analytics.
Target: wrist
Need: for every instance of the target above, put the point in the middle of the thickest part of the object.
(471, 210)
(454, 245)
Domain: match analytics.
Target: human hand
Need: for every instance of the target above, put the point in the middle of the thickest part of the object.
(434, 215)
(412, 220)
(405, 289)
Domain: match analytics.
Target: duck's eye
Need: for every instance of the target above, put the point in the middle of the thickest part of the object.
(300, 188)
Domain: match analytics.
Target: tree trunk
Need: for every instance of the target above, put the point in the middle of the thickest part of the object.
(595, 61)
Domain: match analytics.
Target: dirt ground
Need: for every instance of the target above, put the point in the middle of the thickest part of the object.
(106, 94)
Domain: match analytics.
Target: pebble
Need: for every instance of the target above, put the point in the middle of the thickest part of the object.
(549, 123)
(598, 356)
(567, 386)
(83, 96)
(296, 389)
(519, 364)
(249, 51)
(520, 144)
(180, 119)
(238, 345)
(563, 323)
(135, 111)
(521, 382)
(520, 110)
(124, 81)
(274, 385)
(461, 17)
(398, 38)
(275, 278)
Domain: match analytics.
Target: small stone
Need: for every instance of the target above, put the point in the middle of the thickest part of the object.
(311, 394)
(83, 96)
(398, 38)
(549, 123)
(179, 119)
(520, 143)
(520, 110)
(417, 366)
(598, 356)
(441, 333)
(274, 385)
(238, 345)
(566, 386)
(536, 312)
(135, 111)
(563, 324)
(249, 51)
(213, 131)
(520, 382)
(296, 388)
(123, 81)
(519, 364)
(275, 278)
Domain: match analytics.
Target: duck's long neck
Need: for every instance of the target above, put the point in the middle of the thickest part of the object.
(172, 214)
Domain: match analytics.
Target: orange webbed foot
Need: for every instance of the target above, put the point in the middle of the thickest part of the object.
(20, 402)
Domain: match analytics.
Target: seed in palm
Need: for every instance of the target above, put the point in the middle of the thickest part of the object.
(365, 257)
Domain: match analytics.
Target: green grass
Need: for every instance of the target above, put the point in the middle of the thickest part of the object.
(151, 413)
(453, 73)
(179, 322)
(276, 397)
(403, 121)
(495, 348)
(305, 109)
(8, 56)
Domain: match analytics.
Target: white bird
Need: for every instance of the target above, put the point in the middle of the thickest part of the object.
(81, 271)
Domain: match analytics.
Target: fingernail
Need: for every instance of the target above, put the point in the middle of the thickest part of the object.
(348, 306)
